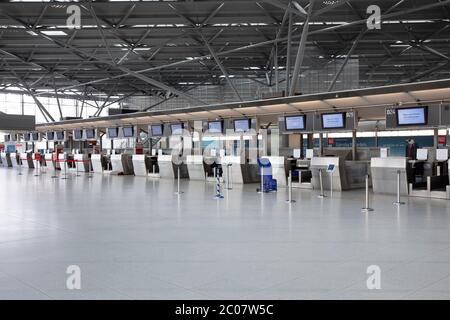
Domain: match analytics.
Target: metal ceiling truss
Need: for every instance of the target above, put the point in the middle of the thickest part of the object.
(167, 47)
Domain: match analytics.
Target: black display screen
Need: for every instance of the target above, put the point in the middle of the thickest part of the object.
(242, 125)
(412, 116)
(295, 122)
(157, 130)
(333, 120)
(50, 136)
(176, 128)
(113, 132)
(35, 136)
(90, 133)
(128, 132)
(78, 134)
(215, 126)
(59, 135)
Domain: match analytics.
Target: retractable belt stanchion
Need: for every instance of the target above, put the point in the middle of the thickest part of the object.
(331, 184)
(65, 170)
(322, 194)
(398, 202)
(38, 167)
(229, 182)
(76, 167)
(218, 194)
(54, 176)
(19, 166)
(178, 181)
(290, 188)
(90, 168)
(367, 208)
(261, 187)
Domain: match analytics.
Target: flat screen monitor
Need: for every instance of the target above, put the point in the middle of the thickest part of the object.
(50, 136)
(295, 122)
(13, 137)
(59, 135)
(128, 132)
(241, 125)
(333, 120)
(157, 130)
(7, 138)
(113, 133)
(90, 133)
(176, 128)
(412, 116)
(26, 136)
(215, 126)
(35, 136)
(78, 134)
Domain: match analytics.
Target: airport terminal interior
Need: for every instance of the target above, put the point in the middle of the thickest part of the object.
(231, 149)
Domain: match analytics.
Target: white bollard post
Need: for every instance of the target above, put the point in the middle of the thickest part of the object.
(398, 202)
(367, 208)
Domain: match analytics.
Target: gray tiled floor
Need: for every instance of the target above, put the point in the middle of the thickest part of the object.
(134, 239)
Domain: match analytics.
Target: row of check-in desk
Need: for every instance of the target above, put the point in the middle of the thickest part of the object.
(416, 177)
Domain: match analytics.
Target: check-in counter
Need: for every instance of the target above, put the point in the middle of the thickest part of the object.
(278, 170)
(27, 160)
(168, 168)
(5, 162)
(165, 166)
(209, 165)
(346, 174)
(13, 159)
(195, 167)
(139, 165)
(321, 164)
(235, 171)
(121, 164)
(153, 167)
(384, 175)
(82, 162)
(97, 165)
(303, 172)
(48, 159)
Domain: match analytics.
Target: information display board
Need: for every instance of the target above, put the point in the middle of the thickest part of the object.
(60, 136)
(333, 120)
(156, 130)
(90, 133)
(128, 132)
(412, 116)
(295, 122)
(176, 128)
(215, 126)
(113, 133)
(241, 125)
(78, 134)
